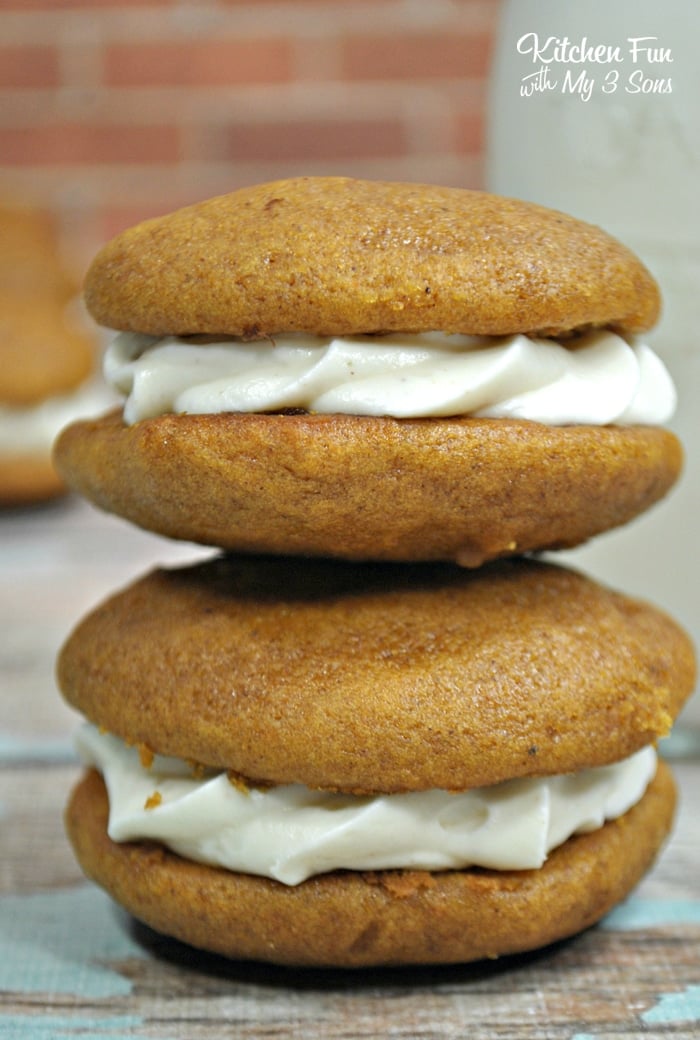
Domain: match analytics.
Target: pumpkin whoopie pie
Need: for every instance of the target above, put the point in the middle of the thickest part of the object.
(312, 761)
(48, 356)
(31, 258)
(372, 370)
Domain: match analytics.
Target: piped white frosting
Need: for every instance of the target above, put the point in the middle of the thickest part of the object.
(291, 832)
(598, 379)
(31, 430)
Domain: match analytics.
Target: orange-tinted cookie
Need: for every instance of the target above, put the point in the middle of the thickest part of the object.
(31, 259)
(47, 355)
(349, 919)
(360, 487)
(378, 677)
(28, 479)
(337, 255)
(44, 350)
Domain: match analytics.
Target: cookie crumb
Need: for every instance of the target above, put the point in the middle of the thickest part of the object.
(146, 755)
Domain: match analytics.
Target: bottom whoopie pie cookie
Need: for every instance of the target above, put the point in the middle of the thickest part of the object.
(362, 919)
(314, 762)
(27, 473)
(27, 480)
(360, 487)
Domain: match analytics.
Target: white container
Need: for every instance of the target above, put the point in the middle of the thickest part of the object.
(594, 109)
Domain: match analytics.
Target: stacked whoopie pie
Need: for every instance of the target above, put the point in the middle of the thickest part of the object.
(47, 356)
(373, 730)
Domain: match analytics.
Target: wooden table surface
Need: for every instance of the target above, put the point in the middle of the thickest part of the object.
(73, 965)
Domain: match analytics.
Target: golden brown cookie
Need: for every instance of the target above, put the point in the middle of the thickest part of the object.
(360, 487)
(349, 919)
(44, 350)
(47, 355)
(31, 260)
(46, 363)
(378, 677)
(337, 255)
(28, 479)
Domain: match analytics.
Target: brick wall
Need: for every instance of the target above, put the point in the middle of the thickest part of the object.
(114, 111)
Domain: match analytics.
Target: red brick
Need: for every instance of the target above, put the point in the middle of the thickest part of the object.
(117, 218)
(469, 138)
(315, 139)
(297, 3)
(74, 143)
(198, 63)
(29, 67)
(73, 5)
(416, 56)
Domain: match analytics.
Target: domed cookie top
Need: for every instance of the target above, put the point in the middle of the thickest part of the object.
(378, 677)
(332, 255)
(44, 352)
(31, 259)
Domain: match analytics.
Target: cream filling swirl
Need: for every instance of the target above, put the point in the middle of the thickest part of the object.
(597, 379)
(291, 832)
(31, 430)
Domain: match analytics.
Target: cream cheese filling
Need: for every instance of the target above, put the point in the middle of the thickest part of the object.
(291, 832)
(32, 430)
(598, 379)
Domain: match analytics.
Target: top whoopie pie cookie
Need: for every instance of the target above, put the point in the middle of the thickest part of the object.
(369, 370)
(31, 260)
(333, 256)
